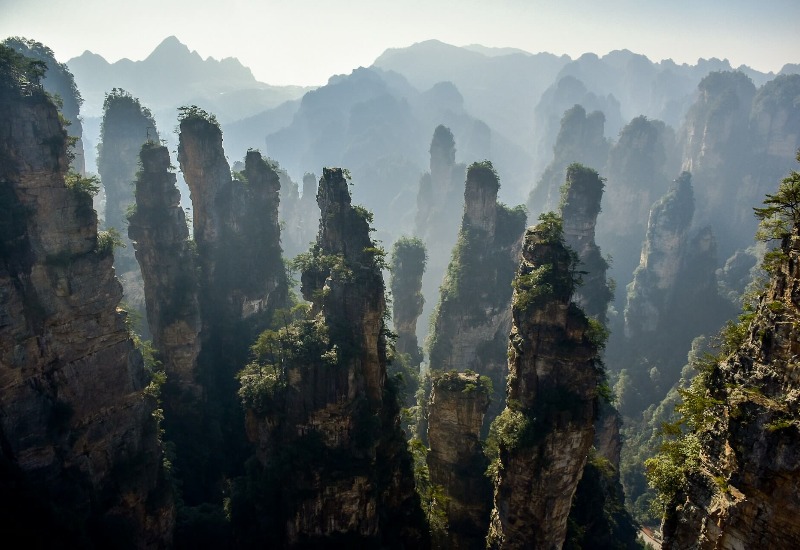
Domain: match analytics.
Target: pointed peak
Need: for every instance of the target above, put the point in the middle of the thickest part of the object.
(169, 47)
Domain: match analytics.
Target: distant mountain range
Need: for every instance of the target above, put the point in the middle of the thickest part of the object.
(172, 75)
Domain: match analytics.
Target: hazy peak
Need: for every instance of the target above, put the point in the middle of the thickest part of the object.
(170, 48)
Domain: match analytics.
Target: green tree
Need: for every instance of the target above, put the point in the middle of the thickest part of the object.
(782, 210)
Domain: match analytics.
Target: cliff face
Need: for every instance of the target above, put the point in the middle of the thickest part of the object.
(654, 282)
(80, 461)
(472, 320)
(742, 476)
(673, 298)
(580, 139)
(161, 239)
(126, 127)
(60, 82)
(242, 282)
(456, 461)
(438, 200)
(580, 206)
(546, 429)
(637, 168)
(318, 404)
(718, 151)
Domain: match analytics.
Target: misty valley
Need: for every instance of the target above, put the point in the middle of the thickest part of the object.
(462, 298)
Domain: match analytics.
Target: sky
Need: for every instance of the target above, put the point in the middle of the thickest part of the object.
(304, 42)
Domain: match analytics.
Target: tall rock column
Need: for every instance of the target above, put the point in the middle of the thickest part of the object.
(242, 282)
(80, 456)
(580, 206)
(472, 320)
(407, 266)
(160, 237)
(319, 409)
(126, 127)
(58, 81)
(737, 468)
(438, 209)
(546, 429)
(456, 461)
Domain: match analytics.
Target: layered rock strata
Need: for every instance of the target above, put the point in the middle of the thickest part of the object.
(80, 456)
(456, 461)
(547, 427)
(320, 411)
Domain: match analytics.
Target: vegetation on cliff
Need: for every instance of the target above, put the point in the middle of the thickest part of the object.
(544, 434)
(81, 459)
(470, 323)
(320, 408)
(725, 458)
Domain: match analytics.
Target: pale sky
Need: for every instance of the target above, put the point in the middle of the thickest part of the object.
(306, 41)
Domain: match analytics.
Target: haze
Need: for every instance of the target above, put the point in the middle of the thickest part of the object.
(306, 41)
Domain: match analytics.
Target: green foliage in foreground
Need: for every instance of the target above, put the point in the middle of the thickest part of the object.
(779, 216)
(19, 73)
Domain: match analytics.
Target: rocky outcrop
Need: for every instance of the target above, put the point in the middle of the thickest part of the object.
(126, 127)
(456, 461)
(718, 151)
(157, 228)
(80, 456)
(673, 298)
(581, 140)
(741, 477)
(637, 175)
(439, 201)
(58, 81)
(471, 322)
(580, 205)
(242, 283)
(655, 280)
(547, 427)
(407, 267)
(319, 408)
(236, 229)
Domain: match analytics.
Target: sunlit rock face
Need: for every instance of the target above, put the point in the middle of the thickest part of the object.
(456, 461)
(81, 460)
(329, 421)
(745, 495)
(547, 428)
(58, 81)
